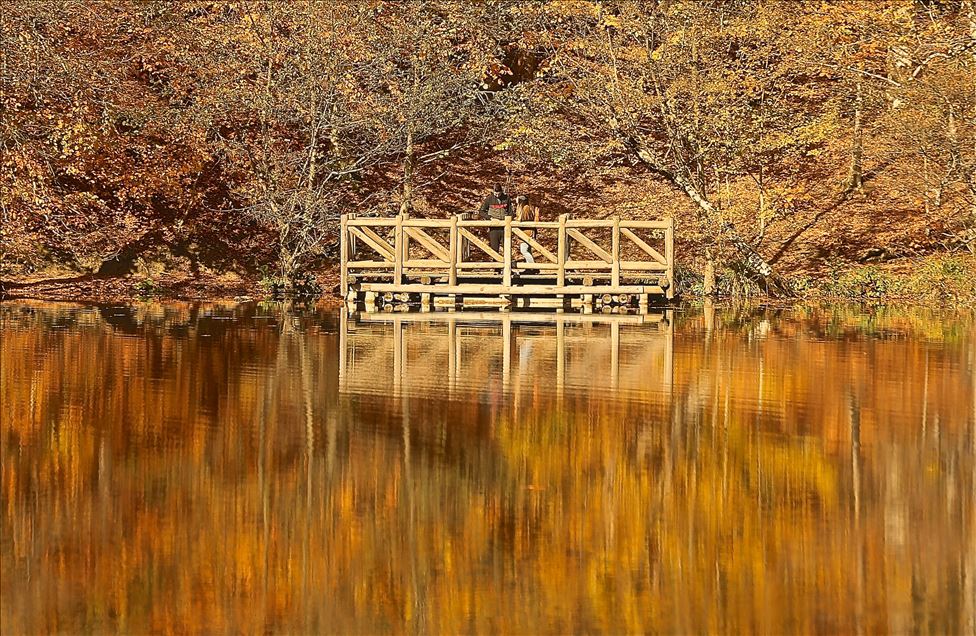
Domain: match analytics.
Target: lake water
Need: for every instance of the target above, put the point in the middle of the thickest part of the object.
(252, 468)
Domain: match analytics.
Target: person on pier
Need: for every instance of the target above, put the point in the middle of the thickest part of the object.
(524, 211)
(496, 207)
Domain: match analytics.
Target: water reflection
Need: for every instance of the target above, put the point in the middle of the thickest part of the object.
(250, 468)
(468, 354)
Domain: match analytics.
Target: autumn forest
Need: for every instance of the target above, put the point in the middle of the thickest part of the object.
(208, 147)
(198, 436)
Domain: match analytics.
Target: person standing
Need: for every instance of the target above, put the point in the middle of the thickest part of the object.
(496, 207)
(526, 212)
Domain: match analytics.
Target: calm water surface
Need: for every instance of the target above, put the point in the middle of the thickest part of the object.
(242, 468)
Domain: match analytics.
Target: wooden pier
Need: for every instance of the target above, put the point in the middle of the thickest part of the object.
(450, 262)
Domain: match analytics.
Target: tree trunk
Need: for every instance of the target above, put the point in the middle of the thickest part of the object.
(708, 286)
(753, 262)
(313, 142)
(285, 258)
(762, 205)
(408, 165)
(856, 180)
(959, 162)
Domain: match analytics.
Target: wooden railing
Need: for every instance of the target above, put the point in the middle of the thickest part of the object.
(605, 254)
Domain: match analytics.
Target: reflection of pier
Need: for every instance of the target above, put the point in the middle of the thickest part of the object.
(416, 353)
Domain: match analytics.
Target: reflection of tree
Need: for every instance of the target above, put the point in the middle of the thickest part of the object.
(169, 470)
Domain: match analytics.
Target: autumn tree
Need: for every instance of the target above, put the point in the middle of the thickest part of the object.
(93, 167)
(895, 82)
(673, 88)
(421, 73)
(279, 94)
(931, 122)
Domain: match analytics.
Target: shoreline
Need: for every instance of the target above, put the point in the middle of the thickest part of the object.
(938, 280)
(331, 300)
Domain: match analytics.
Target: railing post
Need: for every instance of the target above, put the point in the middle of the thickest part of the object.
(398, 251)
(353, 247)
(669, 256)
(464, 248)
(452, 272)
(406, 244)
(507, 254)
(561, 251)
(343, 258)
(615, 252)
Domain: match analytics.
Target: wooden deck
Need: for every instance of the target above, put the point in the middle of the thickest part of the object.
(450, 261)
